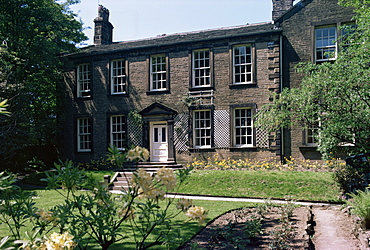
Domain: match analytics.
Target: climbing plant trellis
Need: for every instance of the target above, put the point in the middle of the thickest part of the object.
(182, 131)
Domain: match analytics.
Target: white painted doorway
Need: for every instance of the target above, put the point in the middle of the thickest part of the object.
(158, 142)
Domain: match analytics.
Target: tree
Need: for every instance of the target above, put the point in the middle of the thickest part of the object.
(333, 97)
(33, 34)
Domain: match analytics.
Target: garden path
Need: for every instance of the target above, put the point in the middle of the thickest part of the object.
(334, 230)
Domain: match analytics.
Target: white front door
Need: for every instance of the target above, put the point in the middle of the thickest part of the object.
(159, 145)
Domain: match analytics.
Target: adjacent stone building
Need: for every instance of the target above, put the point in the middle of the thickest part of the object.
(193, 94)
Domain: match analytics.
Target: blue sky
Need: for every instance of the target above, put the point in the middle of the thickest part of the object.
(137, 19)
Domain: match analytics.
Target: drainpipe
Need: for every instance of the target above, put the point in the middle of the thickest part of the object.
(282, 154)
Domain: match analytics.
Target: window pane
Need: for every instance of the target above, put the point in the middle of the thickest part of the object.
(118, 132)
(242, 64)
(158, 73)
(325, 43)
(84, 135)
(243, 127)
(202, 128)
(201, 68)
(164, 139)
(83, 80)
(155, 134)
(118, 77)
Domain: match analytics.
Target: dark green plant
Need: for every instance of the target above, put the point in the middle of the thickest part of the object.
(16, 205)
(33, 35)
(3, 107)
(35, 164)
(253, 227)
(360, 206)
(348, 178)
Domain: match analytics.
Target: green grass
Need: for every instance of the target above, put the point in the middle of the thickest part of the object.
(36, 178)
(315, 186)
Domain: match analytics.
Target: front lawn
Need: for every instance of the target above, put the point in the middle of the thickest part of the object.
(298, 185)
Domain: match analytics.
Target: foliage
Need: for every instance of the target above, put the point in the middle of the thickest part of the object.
(332, 97)
(35, 165)
(135, 117)
(348, 178)
(33, 34)
(360, 204)
(100, 216)
(3, 107)
(3, 241)
(16, 205)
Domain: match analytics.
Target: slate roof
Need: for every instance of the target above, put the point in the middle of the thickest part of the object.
(179, 38)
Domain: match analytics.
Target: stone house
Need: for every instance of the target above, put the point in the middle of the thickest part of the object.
(193, 94)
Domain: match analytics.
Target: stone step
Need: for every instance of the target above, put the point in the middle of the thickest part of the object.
(121, 179)
(152, 165)
(118, 188)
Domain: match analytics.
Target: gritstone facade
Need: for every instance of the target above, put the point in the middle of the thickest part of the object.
(194, 94)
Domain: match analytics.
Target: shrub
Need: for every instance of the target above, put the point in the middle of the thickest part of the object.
(97, 215)
(360, 204)
(348, 178)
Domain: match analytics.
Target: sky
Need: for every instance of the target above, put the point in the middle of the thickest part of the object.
(138, 19)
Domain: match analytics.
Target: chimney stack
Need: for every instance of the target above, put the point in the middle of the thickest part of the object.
(279, 7)
(103, 32)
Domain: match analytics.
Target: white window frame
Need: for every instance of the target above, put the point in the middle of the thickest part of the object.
(311, 133)
(243, 132)
(326, 43)
(84, 134)
(158, 73)
(202, 128)
(83, 80)
(118, 77)
(201, 67)
(118, 131)
(311, 139)
(243, 64)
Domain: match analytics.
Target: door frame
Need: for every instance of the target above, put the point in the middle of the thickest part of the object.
(159, 113)
(158, 124)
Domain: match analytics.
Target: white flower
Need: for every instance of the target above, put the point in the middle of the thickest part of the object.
(60, 242)
(197, 213)
(167, 177)
(138, 154)
(142, 179)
